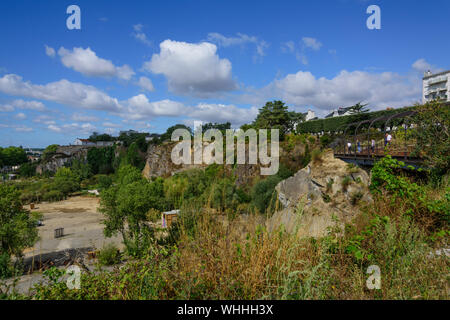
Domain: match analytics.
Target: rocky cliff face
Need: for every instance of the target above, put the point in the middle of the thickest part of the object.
(325, 193)
(63, 156)
(159, 163)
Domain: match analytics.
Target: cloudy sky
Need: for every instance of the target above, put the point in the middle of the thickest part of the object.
(146, 65)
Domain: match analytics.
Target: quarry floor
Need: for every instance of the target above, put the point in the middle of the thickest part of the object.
(82, 228)
(81, 222)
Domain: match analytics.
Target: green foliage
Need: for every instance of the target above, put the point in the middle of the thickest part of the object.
(109, 255)
(27, 170)
(358, 108)
(316, 155)
(17, 228)
(264, 195)
(346, 182)
(134, 157)
(95, 137)
(337, 124)
(100, 160)
(275, 115)
(129, 138)
(167, 136)
(387, 179)
(81, 170)
(12, 156)
(126, 205)
(432, 135)
(104, 182)
(6, 268)
(325, 140)
(65, 181)
(222, 127)
(49, 152)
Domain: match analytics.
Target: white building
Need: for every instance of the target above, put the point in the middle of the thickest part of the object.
(436, 86)
(310, 115)
(339, 112)
(83, 142)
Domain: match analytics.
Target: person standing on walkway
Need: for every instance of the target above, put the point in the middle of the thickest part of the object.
(358, 144)
(389, 138)
(372, 145)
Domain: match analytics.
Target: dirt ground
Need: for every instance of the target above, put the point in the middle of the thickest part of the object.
(82, 228)
(81, 222)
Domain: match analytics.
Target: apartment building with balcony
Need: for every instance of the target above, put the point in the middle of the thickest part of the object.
(436, 86)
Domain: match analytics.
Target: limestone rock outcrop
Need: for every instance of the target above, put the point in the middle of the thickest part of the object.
(325, 193)
(63, 155)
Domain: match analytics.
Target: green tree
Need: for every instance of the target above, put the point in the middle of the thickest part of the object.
(49, 151)
(432, 135)
(358, 108)
(95, 136)
(167, 136)
(275, 115)
(126, 205)
(17, 228)
(134, 157)
(13, 156)
(81, 170)
(101, 160)
(65, 181)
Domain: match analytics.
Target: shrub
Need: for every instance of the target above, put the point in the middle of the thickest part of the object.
(346, 182)
(17, 228)
(330, 184)
(104, 182)
(264, 195)
(325, 140)
(316, 156)
(53, 195)
(109, 255)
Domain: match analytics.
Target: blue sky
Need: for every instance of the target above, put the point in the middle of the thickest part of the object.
(146, 65)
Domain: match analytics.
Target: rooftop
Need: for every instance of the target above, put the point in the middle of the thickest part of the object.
(436, 74)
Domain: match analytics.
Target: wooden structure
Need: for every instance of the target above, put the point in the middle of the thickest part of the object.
(169, 217)
(59, 233)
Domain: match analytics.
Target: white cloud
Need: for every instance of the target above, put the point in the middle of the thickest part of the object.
(139, 35)
(62, 91)
(24, 129)
(301, 58)
(83, 118)
(73, 128)
(221, 113)
(192, 68)
(381, 90)
(21, 104)
(20, 116)
(146, 84)
(241, 39)
(311, 43)
(288, 47)
(139, 107)
(29, 105)
(421, 65)
(111, 125)
(6, 108)
(50, 51)
(46, 119)
(54, 128)
(88, 63)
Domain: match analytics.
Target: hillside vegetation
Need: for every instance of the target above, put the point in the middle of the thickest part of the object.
(395, 218)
